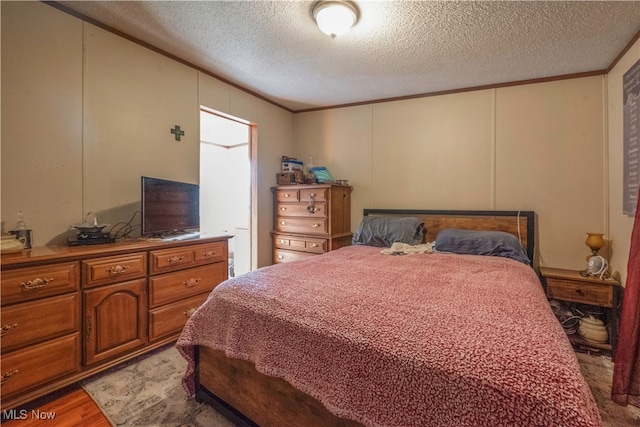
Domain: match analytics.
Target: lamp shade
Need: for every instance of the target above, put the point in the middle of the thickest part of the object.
(595, 241)
(334, 18)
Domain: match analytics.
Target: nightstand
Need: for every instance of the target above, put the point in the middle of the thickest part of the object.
(571, 286)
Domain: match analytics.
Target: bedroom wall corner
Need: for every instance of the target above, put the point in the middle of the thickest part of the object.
(620, 225)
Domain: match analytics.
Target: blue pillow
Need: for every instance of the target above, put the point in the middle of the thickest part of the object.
(494, 243)
(385, 231)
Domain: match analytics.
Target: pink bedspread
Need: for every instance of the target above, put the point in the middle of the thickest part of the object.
(413, 340)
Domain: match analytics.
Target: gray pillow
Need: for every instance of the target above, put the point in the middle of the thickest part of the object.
(385, 231)
(494, 243)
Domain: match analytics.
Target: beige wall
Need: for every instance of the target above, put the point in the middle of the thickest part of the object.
(620, 226)
(532, 147)
(75, 131)
(85, 113)
(41, 118)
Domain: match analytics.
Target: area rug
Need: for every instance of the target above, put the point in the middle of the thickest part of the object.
(147, 392)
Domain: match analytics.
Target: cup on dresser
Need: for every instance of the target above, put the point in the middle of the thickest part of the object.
(24, 236)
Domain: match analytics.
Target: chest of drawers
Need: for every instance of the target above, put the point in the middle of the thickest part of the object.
(71, 312)
(40, 325)
(310, 220)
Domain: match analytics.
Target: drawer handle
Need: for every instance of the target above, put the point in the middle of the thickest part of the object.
(208, 254)
(6, 328)
(312, 195)
(190, 312)
(282, 242)
(117, 269)
(7, 376)
(283, 209)
(280, 256)
(313, 245)
(36, 283)
(175, 259)
(283, 223)
(286, 195)
(191, 282)
(315, 225)
(88, 329)
(580, 292)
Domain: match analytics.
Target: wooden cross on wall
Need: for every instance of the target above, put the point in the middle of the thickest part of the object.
(177, 132)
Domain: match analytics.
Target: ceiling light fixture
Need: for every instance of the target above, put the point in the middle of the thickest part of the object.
(335, 17)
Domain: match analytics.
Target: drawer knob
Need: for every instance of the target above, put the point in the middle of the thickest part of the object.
(191, 282)
(286, 195)
(118, 269)
(283, 223)
(313, 245)
(315, 225)
(190, 312)
(282, 242)
(312, 195)
(6, 328)
(283, 209)
(580, 292)
(7, 376)
(175, 259)
(208, 254)
(280, 256)
(36, 283)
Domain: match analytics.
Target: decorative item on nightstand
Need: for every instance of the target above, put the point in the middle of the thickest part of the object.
(597, 265)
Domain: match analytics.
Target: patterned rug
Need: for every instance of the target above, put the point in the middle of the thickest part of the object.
(147, 391)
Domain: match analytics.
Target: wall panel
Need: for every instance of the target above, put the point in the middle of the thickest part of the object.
(41, 119)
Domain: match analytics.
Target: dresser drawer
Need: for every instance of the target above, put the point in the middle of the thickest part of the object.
(280, 255)
(302, 225)
(172, 287)
(299, 243)
(37, 321)
(34, 366)
(103, 271)
(586, 293)
(288, 195)
(211, 252)
(170, 319)
(317, 194)
(166, 260)
(302, 209)
(26, 284)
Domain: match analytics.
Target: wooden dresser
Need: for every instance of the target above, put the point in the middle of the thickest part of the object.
(70, 312)
(310, 219)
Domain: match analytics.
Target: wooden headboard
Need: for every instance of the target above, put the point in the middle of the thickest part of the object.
(519, 223)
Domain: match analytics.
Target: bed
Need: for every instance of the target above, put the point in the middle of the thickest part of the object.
(368, 336)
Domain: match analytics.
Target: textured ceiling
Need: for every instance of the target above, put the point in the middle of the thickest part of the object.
(397, 48)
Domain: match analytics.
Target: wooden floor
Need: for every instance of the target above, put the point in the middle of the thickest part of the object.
(74, 408)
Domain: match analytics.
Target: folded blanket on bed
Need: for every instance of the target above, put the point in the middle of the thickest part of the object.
(420, 340)
(399, 248)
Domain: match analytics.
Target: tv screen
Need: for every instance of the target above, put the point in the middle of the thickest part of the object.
(169, 207)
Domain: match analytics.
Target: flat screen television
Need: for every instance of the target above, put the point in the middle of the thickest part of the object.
(169, 207)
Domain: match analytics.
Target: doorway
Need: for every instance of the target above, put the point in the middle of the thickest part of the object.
(225, 184)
